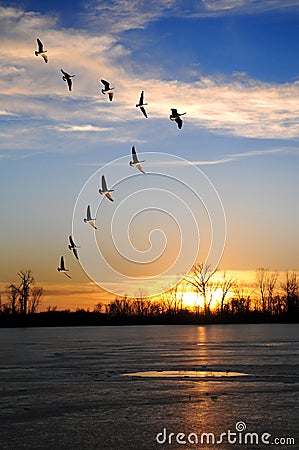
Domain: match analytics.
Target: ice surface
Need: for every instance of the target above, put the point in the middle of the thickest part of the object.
(72, 388)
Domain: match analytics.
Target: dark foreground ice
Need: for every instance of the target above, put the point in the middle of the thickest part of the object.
(150, 387)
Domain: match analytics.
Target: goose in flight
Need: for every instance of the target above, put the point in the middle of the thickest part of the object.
(89, 218)
(105, 190)
(68, 78)
(141, 104)
(176, 117)
(72, 246)
(107, 89)
(41, 50)
(62, 268)
(135, 161)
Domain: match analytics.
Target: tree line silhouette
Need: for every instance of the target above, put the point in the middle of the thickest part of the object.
(272, 301)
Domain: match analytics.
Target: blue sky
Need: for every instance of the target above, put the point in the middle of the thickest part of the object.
(232, 65)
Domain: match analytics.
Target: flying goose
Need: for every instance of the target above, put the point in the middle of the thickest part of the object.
(105, 190)
(62, 268)
(89, 218)
(176, 117)
(135, 161)
(107, 89)
(72, 246)
(68, 78)
(41, 50)
(141, 104)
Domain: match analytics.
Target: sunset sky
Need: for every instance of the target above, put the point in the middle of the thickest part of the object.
(231, 65)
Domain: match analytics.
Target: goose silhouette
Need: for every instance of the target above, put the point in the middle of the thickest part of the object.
(62, 268)
(72, 246)
(176, 117)
(89, 218)
(41, 50)
(107, 89)
(135, 161)
(68, 78)
(141, 104)
(105, 191)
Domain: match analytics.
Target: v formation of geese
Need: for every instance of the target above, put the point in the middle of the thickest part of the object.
(107, 89)
(91, 221)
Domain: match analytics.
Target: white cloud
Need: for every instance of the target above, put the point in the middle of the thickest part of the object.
(216, 5)
(81, 128)
(4, 112)
(220, 7)
(121, 15)
(233, 157)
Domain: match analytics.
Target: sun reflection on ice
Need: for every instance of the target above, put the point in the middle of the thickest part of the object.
(185, 374)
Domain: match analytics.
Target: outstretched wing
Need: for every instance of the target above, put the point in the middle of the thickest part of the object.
(72, 242)
(88, 214)
(75, 253)
(179, 122)
(67, 275)
(174, 111)
(141, 98)
(62, 266)
(104, 184)
(105, 83)
(134, 156)
(110, 96)
(108, 195)
(143, 111)
(40, 45)
(45, 57)
(64, 73)
(140, 168)
(69, 83)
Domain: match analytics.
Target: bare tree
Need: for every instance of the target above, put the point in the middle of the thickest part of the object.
(226, 284)
(266, 282)
(98, 307)
(200, 278)
(34, 300)
(24, 298)
(12, 293)
(24, 289)
(241, 295)
(173, 298)
(291, 290)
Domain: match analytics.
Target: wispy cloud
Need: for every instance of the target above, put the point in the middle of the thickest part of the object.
(3, 112)
(232, 157)
(80, 128)
(120, 15)
(217, 7)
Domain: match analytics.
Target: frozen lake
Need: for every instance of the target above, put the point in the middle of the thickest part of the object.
(113, 388)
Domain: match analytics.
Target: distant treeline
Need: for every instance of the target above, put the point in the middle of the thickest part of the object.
(268, 305)
(127, 311)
